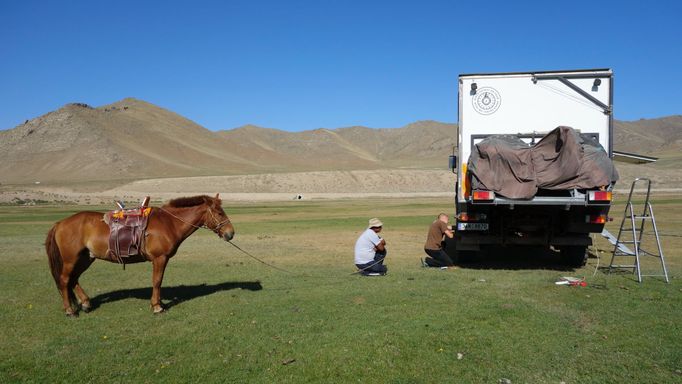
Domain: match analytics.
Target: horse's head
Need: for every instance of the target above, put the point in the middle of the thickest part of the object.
(216, 219)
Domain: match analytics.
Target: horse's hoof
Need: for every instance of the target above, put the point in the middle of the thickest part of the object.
(71, 314)
(86, 308)
(158, 309)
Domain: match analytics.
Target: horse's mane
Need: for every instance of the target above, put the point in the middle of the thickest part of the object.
(183, 202)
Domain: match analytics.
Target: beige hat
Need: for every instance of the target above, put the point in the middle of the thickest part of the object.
(374, 222)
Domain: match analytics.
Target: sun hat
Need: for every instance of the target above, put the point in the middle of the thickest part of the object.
(374, 222)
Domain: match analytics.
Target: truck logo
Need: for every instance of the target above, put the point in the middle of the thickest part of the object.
(486, 101)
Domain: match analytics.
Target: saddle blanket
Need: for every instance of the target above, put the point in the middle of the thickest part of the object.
(126, 232)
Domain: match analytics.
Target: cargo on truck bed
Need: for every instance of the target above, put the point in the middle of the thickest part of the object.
(563, 159)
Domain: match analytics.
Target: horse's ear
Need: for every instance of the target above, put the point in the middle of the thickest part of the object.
(217, 195)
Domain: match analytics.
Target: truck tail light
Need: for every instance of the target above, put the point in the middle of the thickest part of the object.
(483, 195)
(596, 219)
(464, 216)
(599, 196)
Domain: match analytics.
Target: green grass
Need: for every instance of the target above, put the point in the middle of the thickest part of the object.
(232, 319)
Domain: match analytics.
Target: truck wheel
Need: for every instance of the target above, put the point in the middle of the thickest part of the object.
(450, 247)
(458, 256)
(574, 256)
(466, 256)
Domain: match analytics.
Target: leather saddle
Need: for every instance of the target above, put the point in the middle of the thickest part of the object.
(127, 228)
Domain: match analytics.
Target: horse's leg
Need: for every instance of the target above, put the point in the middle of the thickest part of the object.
(159, 263)
(71, 271)
(83, 298)
(83, 264)
(62, 257)
(66, 290)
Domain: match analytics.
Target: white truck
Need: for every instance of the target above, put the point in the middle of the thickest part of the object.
(526, 107)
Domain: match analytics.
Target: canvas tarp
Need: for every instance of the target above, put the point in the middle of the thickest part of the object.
(563, 159)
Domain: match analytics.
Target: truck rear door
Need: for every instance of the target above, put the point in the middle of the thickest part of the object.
(530, 105)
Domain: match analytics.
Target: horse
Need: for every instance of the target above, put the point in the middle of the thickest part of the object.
(75, 242)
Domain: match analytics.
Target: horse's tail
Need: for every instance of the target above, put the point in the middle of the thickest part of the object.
(54, 255)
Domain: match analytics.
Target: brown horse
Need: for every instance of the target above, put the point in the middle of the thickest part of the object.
(74, 243)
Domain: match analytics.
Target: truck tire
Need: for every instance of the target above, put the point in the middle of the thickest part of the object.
(574, 256)
(450, 247)
(466, 257)
(457, 257)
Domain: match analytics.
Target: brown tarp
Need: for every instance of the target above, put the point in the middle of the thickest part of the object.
(563, 159)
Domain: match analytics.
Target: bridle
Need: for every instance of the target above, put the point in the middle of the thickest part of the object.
(219, 225)
(215, 229)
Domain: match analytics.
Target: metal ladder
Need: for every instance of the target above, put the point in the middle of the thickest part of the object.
(621, 250)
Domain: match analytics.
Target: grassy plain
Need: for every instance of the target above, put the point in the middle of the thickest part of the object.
(232, 319)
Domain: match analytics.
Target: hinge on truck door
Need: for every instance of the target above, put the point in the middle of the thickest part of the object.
(597, 82)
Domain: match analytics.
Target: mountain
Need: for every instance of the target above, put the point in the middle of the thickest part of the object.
(133, 139)
(660, 137)
(125, 140)
(421, 144)
(649, 135)
(319, 149)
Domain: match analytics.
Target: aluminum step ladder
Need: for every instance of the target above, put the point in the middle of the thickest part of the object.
(621, 250)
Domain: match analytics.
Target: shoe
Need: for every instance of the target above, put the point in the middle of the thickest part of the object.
(375, 274)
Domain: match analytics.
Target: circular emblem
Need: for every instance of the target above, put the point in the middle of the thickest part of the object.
(486, 100)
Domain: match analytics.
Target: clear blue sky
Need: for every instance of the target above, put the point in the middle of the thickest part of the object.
(298, 65)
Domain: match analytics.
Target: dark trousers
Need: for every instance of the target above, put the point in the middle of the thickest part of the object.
(374, 266)
(439, 258)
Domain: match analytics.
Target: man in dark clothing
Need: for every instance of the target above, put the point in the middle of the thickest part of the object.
(433, 246)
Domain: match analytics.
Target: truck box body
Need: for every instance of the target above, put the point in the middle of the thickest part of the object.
(528, 106)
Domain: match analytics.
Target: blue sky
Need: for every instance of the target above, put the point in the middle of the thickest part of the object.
(297, 65)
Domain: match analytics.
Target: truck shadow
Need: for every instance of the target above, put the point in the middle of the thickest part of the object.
(515, 258)
(173, 295)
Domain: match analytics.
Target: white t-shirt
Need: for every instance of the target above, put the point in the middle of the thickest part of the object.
(364, 247)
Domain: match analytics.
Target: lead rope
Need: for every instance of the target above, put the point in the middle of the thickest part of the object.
(254, 257)
(290, 272)
(259, 260)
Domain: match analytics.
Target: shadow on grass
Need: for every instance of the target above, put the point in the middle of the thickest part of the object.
(516, 258)
(177, 294)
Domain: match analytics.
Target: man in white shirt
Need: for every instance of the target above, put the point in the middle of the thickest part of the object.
(370, 250)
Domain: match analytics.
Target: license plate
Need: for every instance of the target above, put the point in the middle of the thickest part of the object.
(472, 226)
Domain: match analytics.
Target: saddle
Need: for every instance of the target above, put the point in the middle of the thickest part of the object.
(127, 230)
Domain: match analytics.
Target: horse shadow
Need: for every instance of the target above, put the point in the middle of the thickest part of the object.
(174, 295)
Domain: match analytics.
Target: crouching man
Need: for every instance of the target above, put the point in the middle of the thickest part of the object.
(370, 250)
(433, 246)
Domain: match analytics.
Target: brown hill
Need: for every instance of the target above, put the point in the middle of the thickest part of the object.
(133, 139)
(660, 137)
(125, 140)
(418, 145)
(647, 136)
(320, 149)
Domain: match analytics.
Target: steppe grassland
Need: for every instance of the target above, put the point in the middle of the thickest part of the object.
(233, 319)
